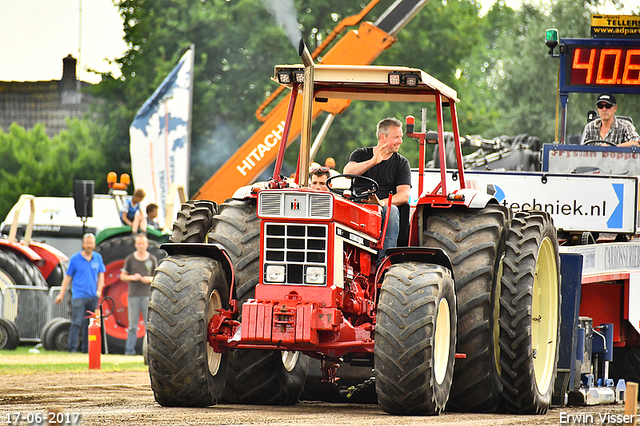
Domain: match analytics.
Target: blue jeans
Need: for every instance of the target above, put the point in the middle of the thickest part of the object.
(80, 319)
(137, 304)
(393, 230)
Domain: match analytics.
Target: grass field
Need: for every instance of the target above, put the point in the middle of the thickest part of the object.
(22, 361)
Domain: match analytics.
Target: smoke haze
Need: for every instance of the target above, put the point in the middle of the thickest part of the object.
(287, 17)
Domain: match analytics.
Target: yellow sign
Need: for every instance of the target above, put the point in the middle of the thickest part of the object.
(615, 26)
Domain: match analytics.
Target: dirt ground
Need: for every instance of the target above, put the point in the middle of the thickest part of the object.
(125, 398)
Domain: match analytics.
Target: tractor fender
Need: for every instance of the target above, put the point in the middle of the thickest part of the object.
(213, 251)
(475, 199)
(435, 256)
(242, 193)
(108, 233)
(50, 255)
(21, 249)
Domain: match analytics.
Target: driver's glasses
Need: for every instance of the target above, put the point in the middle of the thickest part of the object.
(607, 106)
(320, 169)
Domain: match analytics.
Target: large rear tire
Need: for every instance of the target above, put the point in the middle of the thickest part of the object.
(20, 269)
(34, 276)
(415, 339)
(475, 241)
(184, 369)
(530, 313)
(193, 221)
(264, 377)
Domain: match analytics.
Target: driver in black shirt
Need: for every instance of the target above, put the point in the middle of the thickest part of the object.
(389, 169)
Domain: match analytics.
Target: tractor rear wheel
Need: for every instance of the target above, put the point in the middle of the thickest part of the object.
(530, 313)
(34, 276)
(415, 339)
(184, 369)
(20, 269)
(264, 377)
(114, 251)
(193, 221)
(57, 275)
(475, 241)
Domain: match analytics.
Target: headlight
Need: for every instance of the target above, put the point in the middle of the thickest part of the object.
(275, 273)
(314, 275)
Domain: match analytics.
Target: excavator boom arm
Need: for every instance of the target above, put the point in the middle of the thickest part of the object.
(357, 47)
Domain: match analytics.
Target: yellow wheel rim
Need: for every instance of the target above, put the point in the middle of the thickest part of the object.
(442, 341)
(544, 316)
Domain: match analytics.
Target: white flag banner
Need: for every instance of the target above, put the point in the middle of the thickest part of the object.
(160, 140)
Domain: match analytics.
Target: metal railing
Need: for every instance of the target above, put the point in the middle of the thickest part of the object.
(30, 308)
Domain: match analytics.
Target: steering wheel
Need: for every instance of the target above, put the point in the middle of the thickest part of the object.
(355, 196)
(599, 141)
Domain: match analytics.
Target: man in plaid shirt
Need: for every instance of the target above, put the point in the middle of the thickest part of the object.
(608, 127)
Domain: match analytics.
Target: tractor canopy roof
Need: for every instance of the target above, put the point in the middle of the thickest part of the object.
(368, 83)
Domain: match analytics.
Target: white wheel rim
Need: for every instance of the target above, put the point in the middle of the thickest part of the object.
(442, 341)
(544, 316)
(10, 308)
(290, 359)
(213, 358)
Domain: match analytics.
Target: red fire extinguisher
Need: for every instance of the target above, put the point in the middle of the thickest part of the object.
(95, 341)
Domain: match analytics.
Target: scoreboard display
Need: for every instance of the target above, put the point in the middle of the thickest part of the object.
(589, 65)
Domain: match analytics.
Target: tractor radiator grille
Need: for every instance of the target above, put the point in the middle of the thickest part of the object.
(292, 204)
(297, 247)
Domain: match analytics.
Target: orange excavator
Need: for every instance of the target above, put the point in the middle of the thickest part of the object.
(357, 47)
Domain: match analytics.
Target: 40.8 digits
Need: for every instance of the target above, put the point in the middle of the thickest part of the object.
(610, 66)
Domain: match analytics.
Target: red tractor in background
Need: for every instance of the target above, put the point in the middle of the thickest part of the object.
(27, 269)
(279, 273)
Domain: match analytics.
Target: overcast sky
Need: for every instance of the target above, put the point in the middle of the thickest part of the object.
(36, 34)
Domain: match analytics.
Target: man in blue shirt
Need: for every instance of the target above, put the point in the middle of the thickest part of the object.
(86, 276)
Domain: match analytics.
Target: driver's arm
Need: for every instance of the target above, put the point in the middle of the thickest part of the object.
(631, 135)
(401, 196)
(353, 168)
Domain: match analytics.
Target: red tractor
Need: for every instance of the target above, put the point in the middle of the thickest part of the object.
(466, 315)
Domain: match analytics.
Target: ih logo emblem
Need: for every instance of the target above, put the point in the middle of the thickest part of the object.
(295, 205)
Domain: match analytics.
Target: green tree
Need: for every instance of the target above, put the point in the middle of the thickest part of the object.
(237, 44)
(32, 163)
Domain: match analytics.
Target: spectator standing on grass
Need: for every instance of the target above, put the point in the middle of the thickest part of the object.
(86, 276)
(138, 271)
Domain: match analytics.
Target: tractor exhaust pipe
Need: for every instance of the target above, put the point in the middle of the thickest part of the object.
(307, 114)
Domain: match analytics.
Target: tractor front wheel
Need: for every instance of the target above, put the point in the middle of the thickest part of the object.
(185, 370)
(415, 339)
(530, 313)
